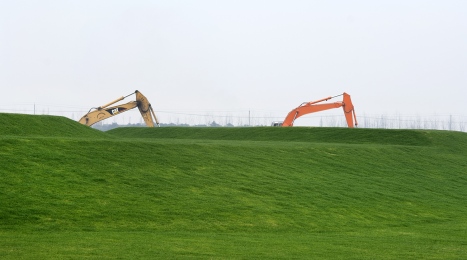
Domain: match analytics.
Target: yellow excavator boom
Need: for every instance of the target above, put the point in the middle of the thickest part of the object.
(103, 112)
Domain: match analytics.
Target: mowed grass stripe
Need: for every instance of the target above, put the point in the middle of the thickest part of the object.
(287, 134)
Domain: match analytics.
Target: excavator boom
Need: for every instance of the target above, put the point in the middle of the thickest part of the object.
(146, 110)
(314, 106)
(104, 112)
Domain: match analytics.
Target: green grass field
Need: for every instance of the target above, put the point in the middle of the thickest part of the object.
(68, 191)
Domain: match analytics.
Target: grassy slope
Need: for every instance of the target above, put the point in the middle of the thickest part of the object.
(286, 134)
(233, 193)
(21, 125)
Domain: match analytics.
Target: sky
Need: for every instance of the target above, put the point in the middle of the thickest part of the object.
(234, 60)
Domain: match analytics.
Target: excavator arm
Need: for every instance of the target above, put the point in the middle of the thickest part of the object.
(103, 112)
(311, 107)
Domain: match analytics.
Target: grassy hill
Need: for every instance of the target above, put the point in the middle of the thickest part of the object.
(249, 193)
(21, 125)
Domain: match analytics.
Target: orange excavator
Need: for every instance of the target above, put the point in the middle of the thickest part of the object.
(316, 106)
(105, 111)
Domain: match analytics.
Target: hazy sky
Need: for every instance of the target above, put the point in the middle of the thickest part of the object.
(208, 57)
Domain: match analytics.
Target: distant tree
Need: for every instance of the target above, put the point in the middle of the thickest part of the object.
(214, 124)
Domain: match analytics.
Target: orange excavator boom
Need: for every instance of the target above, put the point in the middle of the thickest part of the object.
(316, 106)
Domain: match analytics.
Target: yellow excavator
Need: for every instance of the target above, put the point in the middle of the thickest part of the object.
(103, 112)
